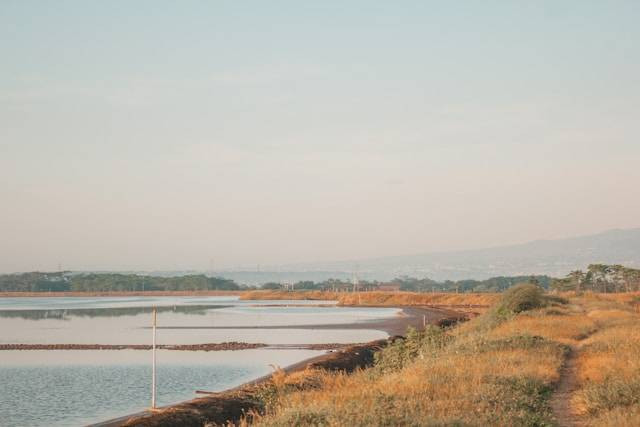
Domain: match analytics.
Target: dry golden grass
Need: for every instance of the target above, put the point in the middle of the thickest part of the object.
(622, 297)
(475, 380)
(618, 417)
(413, 298)
(284, 295)
(608, 366)
(565, 329)
(460, 388)
(380, 298)
(625, 297)
(496, 370)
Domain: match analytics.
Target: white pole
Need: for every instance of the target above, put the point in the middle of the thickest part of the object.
(153, 369)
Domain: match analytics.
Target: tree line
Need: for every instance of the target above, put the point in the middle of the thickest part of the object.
(106, 282)
(412, 284)
(600, 278)
(597, 278)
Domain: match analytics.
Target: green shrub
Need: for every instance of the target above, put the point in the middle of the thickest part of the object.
(521, 298)
(417, 344)
(518, 298)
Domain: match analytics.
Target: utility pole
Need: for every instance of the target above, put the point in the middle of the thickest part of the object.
(153, 366)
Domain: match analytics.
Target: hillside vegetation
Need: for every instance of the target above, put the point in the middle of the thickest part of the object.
(378, 298)
(503, 368)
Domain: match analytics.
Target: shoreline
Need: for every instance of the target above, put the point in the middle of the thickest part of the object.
(232, 403)
(234, 400)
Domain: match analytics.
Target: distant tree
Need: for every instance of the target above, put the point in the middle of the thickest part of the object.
(561, 285)
(576, 279)
(597, 274)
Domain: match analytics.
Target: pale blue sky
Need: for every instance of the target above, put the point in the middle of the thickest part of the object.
(160, 135)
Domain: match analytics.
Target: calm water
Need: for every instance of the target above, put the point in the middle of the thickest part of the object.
(80, 387)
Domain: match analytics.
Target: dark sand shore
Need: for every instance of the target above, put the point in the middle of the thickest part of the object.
(234, 403)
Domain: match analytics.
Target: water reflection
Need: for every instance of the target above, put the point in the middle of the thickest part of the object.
(82, 387)
(70, 387)
(67, 314)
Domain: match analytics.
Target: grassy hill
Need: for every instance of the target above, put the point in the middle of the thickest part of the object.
(530, 360)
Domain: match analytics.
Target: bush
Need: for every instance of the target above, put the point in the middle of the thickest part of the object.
(417, 344)
(521, 298)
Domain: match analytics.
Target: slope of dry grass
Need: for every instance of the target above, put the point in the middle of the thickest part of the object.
(498, 369)
(464, 376)
(609, 365)
(380, 298)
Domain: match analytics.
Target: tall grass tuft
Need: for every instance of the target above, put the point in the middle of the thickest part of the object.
(416, 345)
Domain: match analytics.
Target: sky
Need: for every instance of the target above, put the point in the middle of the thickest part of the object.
(162, 135)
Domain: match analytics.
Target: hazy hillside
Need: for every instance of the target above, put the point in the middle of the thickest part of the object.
(552, 257)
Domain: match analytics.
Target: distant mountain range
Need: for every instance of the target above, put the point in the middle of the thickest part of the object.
(551, 257)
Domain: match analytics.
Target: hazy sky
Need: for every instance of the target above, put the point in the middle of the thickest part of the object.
(161, 135)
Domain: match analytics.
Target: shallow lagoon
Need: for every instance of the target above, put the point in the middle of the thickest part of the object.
(63, 387)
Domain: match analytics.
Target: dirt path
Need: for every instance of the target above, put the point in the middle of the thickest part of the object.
(561, 399)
